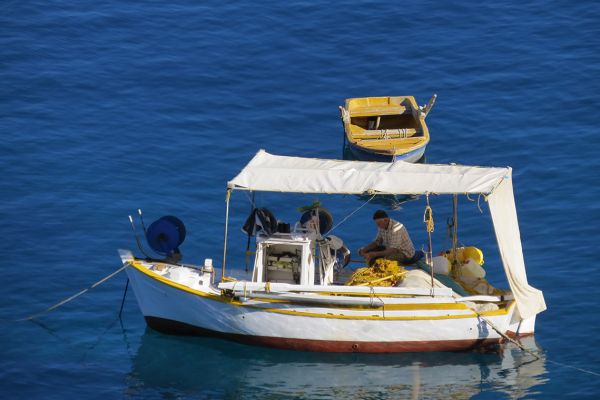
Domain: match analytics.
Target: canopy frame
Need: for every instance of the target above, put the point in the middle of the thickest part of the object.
(272, 173)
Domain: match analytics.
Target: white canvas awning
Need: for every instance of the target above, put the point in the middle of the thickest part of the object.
(267, 172)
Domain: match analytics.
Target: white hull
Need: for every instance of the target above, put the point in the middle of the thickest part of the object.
(183, 301)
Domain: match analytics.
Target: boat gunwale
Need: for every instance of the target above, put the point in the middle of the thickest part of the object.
(235, 302)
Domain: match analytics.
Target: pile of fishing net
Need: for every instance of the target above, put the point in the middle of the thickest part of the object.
(381, 273)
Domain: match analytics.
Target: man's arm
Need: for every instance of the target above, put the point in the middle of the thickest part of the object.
(381, 253)
(364, 250)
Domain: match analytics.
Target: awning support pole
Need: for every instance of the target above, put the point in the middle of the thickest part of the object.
(428, 219)
(227, 196)
(248, 242)
(454, 233)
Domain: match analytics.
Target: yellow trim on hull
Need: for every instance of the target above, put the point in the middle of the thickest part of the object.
(382, 317)
(390, 307)
(387, 307)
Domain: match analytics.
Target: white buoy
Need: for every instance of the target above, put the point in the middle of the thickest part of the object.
(441, 265)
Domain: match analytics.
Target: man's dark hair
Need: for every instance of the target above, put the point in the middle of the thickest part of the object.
(380, 214)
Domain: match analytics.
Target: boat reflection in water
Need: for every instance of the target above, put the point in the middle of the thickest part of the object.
(213, 368)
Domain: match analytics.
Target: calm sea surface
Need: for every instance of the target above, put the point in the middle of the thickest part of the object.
(107, 107)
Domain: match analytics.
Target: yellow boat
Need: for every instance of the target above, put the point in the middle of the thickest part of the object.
(386, 128)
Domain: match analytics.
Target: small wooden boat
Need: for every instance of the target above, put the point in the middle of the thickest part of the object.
(386, 128)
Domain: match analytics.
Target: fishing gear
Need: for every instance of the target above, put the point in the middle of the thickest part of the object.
(137, 239)
(142, 222)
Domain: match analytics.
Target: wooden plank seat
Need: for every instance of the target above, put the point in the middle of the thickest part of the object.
(374, 111)
(374, 134)
(391, 143)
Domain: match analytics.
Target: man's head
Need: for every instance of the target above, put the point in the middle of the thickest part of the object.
(381, 219)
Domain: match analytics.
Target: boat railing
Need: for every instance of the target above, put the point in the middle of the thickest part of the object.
(366, 290)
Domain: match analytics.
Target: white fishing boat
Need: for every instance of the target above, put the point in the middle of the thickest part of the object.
(295, 299)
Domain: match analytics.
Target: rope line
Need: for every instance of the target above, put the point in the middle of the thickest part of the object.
(513, 341)
(587, 371)
(73, 297)
(428, 219)
(349, 215)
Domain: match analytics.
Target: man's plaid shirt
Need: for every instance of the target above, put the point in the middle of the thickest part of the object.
(396, 236)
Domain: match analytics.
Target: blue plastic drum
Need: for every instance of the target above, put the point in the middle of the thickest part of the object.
(166, 234)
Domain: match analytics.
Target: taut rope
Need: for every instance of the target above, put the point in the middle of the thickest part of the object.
(76, 295)
(349, 215)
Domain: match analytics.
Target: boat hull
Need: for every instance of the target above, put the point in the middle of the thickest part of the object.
(362, 154)
(334, 346)
(178, 309)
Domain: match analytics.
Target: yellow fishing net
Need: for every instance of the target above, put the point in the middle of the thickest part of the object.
(382, 273)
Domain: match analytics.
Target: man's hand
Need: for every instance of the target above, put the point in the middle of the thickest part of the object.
(370, 256)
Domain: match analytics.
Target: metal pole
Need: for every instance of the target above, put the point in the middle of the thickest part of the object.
(142, 221)
(248, 242)
(137, 240)
(454, 232)
(227, 196)
(429, 224)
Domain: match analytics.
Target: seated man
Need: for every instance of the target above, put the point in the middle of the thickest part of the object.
(392, 241)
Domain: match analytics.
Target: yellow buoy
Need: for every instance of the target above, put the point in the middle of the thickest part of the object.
(464, 254)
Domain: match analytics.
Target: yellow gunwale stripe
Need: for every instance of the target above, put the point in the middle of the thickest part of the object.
(502, 311)
(387, 307)
(136, 264)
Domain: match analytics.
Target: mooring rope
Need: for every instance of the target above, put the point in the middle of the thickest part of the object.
(73, 297)
(587, 371)
(519, 345)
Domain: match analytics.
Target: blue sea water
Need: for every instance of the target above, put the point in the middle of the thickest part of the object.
(107, 107)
